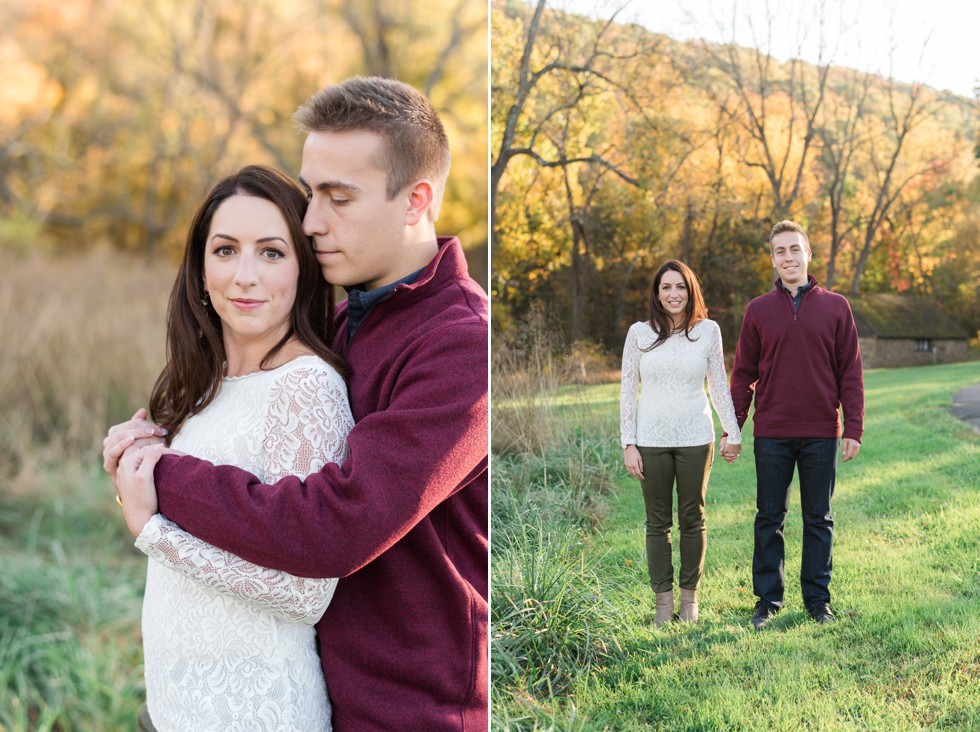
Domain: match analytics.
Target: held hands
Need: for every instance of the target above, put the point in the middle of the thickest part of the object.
(850, 448)
(130, 452)
(728, 452)
(137, 432)
(137, 490)
(634, 463)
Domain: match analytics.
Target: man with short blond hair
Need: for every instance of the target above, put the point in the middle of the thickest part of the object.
(413, 141)
(798, 356)
(787, 225)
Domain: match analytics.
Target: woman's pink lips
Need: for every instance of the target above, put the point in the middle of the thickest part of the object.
(246, 304)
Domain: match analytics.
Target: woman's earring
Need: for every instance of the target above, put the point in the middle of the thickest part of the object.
(206, 300)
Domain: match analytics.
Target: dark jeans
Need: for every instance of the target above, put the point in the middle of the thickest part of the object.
(690, 466)
(775, 459)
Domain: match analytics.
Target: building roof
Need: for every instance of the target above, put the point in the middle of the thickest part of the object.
(901, 316)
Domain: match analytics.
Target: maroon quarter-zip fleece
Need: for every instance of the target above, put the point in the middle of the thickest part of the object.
(801, 365)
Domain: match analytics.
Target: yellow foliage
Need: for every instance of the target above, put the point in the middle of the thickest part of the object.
(26, 89)
(117, 117)
(719, 142)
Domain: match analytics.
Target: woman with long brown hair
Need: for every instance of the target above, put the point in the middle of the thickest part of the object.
(250, 382)
(666, 427)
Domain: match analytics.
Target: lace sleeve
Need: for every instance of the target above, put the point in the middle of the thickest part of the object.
(296, 599)
(305, 428)
(721, 395)
(629, 389)
(307, 423)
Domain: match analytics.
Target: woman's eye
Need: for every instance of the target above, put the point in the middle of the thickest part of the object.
(274, 254)
(224, 250)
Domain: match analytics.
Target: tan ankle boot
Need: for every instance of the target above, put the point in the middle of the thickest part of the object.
(689, 606)
(665, 608)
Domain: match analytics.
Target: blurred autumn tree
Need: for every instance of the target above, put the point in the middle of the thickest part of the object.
(116, 117)
(614, 148)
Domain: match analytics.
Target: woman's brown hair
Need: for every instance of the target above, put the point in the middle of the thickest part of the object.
(195, 347)
(694, 312)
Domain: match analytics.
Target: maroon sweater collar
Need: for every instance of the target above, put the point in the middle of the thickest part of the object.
(449, 263)
(778, 283)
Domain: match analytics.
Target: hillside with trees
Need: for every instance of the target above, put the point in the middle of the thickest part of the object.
(614, 148)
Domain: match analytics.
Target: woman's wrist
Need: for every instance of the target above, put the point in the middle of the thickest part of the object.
(137, 519)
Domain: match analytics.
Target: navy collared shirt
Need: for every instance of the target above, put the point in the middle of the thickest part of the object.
(360, 302)
(798, 297)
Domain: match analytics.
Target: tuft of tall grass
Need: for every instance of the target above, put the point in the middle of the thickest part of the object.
(534, 717)
(551, 625)
(551, 618)
(570, 486)
(83, 341)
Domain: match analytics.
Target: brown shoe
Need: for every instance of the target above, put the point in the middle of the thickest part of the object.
(689, 606)
(665, 608)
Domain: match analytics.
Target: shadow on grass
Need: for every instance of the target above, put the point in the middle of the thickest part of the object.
(912, 662)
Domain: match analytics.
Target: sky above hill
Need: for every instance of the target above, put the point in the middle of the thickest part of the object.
(929, 41)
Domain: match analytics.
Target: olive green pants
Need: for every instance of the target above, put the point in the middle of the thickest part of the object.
(690, 468)
(143, 723)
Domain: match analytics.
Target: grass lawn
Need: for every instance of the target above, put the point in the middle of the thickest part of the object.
(71, 591)
(906, 652)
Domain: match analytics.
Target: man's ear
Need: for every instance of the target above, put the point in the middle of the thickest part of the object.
(420, 198)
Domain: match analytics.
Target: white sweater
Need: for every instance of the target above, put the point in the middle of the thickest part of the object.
(672, 409)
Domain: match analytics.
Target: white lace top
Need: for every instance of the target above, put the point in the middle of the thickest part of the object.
(229, 645)
(672, 409)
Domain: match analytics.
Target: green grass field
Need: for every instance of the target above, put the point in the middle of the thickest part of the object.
(70, 597)
(905, 655)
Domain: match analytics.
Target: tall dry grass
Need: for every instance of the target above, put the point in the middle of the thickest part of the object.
(525, 373)
(81, 339)
(546, 462)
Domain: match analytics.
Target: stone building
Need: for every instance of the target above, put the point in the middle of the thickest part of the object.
(898, 330)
